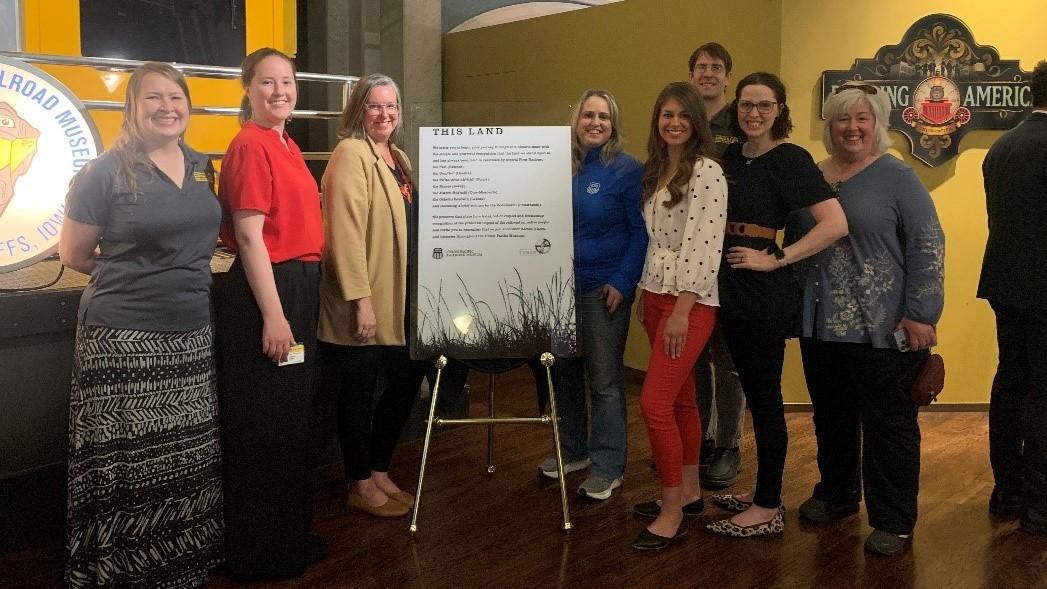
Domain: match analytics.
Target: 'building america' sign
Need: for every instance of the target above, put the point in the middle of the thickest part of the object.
(941, 85)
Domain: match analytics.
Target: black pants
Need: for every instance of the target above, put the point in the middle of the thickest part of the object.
(1018, 406)
(867, 429)
(758, 350)
(265, 412)
(368, 431)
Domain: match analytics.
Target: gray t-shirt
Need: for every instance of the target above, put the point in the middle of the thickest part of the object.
(890, 265)
(153, 272)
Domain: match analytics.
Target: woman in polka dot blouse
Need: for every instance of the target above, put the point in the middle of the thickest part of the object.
(684, 206)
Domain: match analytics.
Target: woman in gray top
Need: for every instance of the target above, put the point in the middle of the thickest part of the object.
(145, 488)
(870, 304)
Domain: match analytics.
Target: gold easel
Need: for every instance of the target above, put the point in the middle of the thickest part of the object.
(547, 360)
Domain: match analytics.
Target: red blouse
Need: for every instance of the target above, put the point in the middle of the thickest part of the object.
(260, 174)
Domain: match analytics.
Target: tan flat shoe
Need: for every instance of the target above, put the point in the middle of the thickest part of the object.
(391, 508)
(403, 497)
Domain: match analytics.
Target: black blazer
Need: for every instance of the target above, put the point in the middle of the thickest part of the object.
(1014, 270)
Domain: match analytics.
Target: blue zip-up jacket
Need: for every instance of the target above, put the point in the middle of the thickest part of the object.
(610, 239)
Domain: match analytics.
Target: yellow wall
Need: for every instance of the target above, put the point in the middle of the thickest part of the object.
(529, 73)
(821, 35)
(53, 27)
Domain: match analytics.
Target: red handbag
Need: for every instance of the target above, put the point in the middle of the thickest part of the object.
(930, 382)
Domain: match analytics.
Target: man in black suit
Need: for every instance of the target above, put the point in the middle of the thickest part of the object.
(1014, 281)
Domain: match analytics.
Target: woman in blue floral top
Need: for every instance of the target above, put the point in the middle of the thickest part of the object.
(886, 276)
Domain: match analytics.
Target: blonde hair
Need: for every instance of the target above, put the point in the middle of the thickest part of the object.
(847, 96)
(129, 148)
(614, 144)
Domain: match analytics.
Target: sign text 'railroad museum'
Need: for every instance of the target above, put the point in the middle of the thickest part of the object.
(941, 85)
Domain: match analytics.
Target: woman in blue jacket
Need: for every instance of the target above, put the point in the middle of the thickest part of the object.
(610, 240)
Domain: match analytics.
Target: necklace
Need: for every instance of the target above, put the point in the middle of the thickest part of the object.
(759, 152)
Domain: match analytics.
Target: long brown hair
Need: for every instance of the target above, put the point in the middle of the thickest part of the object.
(129, 148)
(699, 146)
(247, 72)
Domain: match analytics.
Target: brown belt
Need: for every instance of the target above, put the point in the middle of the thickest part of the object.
(750, 230)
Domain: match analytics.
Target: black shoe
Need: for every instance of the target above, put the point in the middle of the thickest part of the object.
(315, 549)
(1034, 522)
(817, 510)
(654, 508)
(707, 453)
(886, 543)
(1004, 503)
(724, 469)
(648, 540)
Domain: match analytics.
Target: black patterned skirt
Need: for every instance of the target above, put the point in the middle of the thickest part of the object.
(145, 489)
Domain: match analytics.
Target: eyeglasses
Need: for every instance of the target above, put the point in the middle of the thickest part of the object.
(867, 88)
(377, 108)
(712, 67)
(763, 107)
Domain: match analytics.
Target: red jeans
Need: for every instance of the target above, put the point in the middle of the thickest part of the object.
(667, 400)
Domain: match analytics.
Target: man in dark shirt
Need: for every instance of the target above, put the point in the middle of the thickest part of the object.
(721, 402)
(1014, 282)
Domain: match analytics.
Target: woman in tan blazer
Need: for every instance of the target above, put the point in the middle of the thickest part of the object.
(369, 217)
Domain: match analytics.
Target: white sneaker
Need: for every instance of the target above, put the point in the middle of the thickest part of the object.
(548, 468)
(595, 487)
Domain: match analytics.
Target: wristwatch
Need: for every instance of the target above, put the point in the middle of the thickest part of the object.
(779, 254)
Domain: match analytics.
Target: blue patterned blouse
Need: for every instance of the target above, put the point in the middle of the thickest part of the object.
(890, 265)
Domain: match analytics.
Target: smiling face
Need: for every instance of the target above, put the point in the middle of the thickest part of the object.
(273, 92)
(674, 125)
(381, 113)
(756, 124)
(854, 132)
(594, 123)
(709, 77)
(161, 110)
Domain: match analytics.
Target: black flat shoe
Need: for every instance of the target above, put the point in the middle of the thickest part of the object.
(648, 540)
(1034, 522)
(654, 508)
(1005, 504)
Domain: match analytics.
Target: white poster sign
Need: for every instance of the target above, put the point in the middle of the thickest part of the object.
(495, 243)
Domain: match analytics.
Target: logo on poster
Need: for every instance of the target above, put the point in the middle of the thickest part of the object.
(543, 246)
(46, 137)
(438, 253)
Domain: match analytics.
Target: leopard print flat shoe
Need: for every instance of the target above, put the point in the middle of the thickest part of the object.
(725, 527)
(731, 503)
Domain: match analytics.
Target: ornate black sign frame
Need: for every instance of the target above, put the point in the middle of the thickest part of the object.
(941, 84)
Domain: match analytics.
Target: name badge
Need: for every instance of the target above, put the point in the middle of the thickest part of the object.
(296, 355)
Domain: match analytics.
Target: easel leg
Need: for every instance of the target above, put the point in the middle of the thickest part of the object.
(441, 363)
(490, 426)
(548, 360)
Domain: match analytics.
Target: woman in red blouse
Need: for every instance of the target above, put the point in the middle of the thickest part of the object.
(266, 316)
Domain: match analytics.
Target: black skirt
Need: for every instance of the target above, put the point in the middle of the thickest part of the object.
(266, 411)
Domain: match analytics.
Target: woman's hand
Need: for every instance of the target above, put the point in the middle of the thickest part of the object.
(675, 334)
(277, 338)
(920, 335)
(366, 323)
(750, 259)
(639, 307)
(612, 298)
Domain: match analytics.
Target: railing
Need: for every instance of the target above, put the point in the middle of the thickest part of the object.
(113, 64)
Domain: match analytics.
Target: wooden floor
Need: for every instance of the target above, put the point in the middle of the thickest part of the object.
(503, 530)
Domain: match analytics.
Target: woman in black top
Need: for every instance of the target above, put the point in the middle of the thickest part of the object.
(767, 179)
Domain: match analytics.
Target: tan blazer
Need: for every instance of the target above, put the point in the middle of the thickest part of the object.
(365, 249)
